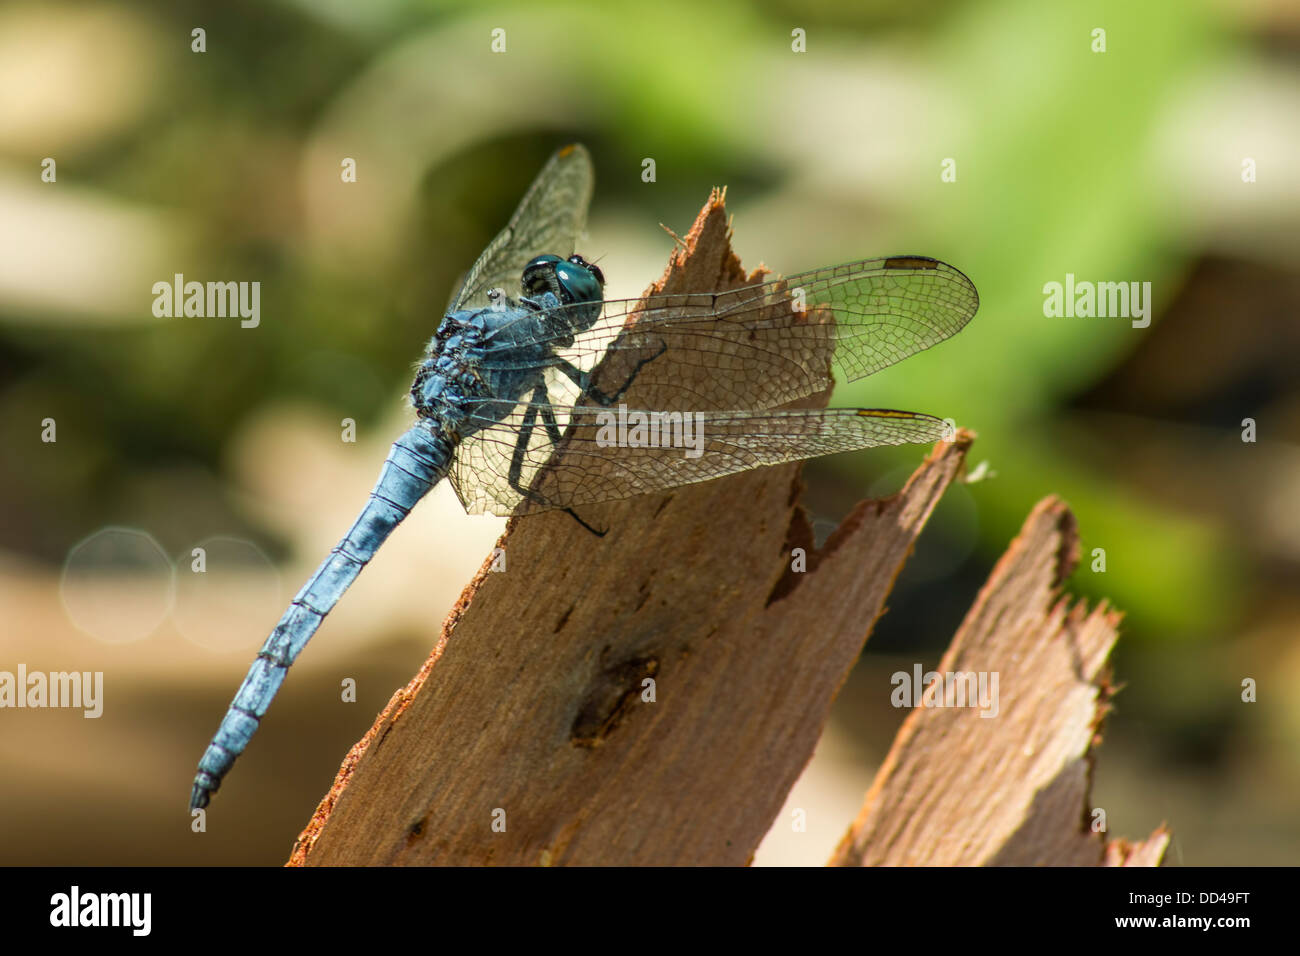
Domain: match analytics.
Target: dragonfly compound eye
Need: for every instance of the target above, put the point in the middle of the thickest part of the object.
(579, 283)
(591, 267)
(539, 275)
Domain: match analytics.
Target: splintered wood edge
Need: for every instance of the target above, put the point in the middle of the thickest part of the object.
(1148, 852)
(955, 790)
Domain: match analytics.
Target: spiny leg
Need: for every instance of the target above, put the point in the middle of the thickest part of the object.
(540, 405)
(583, 379)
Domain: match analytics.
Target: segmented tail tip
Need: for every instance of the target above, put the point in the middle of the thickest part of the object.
(199, 796)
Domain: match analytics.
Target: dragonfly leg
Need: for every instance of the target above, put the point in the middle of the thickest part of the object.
(583, 379)
(540, 405)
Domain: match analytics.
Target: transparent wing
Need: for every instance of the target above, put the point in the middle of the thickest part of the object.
(764, 345)
(595, 461)
(549, 218)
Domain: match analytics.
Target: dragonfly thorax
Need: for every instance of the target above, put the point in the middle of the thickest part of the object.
(447, 376)
(483, 360)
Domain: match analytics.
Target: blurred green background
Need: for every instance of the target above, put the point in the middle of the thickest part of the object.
(1123, 165)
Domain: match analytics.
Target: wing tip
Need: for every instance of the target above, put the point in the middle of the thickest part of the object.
(570, 149)
(911, 262)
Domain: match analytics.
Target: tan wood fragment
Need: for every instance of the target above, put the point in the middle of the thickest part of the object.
(958, 788)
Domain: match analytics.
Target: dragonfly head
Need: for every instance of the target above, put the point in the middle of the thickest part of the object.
(573, 282)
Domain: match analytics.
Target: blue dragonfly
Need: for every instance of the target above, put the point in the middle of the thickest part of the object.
(518, 400)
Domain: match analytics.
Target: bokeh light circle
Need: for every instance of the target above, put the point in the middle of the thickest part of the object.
(117, 585)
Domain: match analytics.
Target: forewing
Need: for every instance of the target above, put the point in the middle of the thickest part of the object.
(766, 345)
(594, 461)
(549, 218)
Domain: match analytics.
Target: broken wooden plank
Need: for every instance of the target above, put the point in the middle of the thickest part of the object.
(531, 737)
(959, 788)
